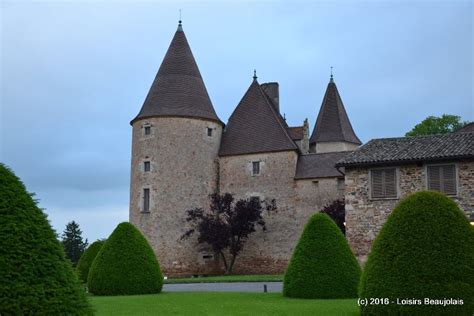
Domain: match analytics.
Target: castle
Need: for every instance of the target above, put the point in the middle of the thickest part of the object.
(182, 152)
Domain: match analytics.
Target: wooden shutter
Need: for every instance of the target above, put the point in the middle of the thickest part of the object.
(377, 183)
(448, 179)
(390, 183)
(434, 178)
(384, 183)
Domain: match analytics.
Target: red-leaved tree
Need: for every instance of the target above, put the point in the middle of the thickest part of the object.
(226, 225)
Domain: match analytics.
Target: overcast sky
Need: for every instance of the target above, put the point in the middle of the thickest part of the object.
(74, 74)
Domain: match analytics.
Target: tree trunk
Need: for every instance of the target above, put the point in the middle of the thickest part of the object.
(225, 261)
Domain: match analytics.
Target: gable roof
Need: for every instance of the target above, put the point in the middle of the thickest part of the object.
(322, 165)
(332, 124)
(255, 126)
(296, 133)
(454, 146)
(178, 88)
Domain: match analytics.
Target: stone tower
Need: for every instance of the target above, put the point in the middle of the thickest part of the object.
(333, 130)
(175, 143)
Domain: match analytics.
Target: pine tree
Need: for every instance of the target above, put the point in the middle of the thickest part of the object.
(72, 241)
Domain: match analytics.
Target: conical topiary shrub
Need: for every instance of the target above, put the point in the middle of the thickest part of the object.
(125, 265)
(425, 250)
(322, 265)
(35, 276)
(87, 258)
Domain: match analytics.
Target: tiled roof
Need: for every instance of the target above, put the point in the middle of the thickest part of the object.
(467, 128)
(178, 88)
(452, 146)
(332, 124)
(312, 166)
(255, 126)
(296, 133)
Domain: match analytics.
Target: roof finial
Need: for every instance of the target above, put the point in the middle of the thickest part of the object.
(255, 75)
(180, 26)
(332, 77)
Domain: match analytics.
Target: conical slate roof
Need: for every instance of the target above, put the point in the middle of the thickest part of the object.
(178, 88)
(255, 126)
(333, 124)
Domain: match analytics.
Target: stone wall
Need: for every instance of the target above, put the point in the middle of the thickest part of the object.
(183, 173)
(326, 147)
(269, 252)
(365, 216)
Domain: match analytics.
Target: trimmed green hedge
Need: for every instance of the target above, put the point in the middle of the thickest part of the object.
(35, 276)
(322, 265)
(87, 258)
(125, 265)
(424, 250)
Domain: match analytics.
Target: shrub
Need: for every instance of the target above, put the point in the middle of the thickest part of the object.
(125, 265)
(35, 276)
(322, 265)
(87, 258)
(424, 250)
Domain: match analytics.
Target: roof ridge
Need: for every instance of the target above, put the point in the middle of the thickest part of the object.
(422, 136)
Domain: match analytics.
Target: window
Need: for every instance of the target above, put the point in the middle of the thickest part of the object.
(316, 183)
(383, 183)
(146, 200)
(256, 168)
(341, 184)
(442, 178)
(209, 132)
(147, 130)
(255, 199)
(146, 166)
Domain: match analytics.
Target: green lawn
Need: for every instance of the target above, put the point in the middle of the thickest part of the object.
(202, 303)
(229, 278)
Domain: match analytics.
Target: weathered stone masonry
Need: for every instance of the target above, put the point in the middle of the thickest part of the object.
(365, 216)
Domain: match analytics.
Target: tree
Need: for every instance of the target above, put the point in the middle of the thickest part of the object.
(85, 262)
(323, 265)
(437, 125)
(424, 250)
(227, 225)
(337, 211)
(72, 241)
(35, 277)
(126, 265)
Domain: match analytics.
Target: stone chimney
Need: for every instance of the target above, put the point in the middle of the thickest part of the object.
(271, 89)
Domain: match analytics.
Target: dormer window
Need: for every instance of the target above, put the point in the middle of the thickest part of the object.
(209, 132)
(147, 130)
(255, 168)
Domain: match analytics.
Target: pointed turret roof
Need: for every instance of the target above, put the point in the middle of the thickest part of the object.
(255, 126)
(178, 88)
(333, 124)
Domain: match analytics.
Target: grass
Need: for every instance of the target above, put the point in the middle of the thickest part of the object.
(228, 278)
(208, 303)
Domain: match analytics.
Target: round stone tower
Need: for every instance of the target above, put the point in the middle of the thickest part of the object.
(175, 143)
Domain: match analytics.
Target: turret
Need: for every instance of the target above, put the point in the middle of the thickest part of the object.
(175, 142)
(333, 130)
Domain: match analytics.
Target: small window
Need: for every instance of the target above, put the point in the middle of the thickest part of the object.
(341, 184)
(209, 132)
(442, 178)
(146, 166)
(146, 200)
(147, 130)
(383, 183)
(316, 183)
(255, 199)
(256, 168)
